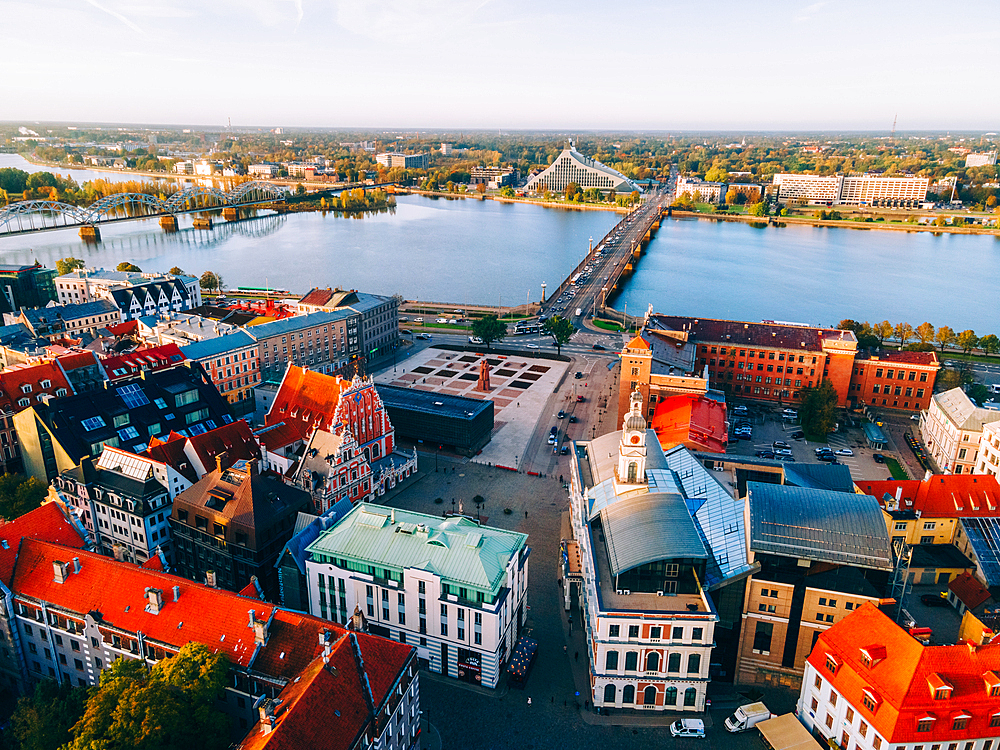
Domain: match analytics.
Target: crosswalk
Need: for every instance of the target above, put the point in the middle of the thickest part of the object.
(837, 441)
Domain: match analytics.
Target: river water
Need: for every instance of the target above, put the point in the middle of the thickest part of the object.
(472, 252)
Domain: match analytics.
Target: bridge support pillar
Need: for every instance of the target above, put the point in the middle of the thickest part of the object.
(90, 233)
(169, 223)
(230, 213)
(203, 223)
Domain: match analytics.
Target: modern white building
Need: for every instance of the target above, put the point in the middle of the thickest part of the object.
(406, 161)
(652, 532)
(701, 191)
(987, 159)
(952, 429)
(858, 190)
(453, 588)
(263, 170)
(572, 166)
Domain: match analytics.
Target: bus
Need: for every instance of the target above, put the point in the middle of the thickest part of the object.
(575, 278)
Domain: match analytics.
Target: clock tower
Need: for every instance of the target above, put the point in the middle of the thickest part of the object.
(632, 450)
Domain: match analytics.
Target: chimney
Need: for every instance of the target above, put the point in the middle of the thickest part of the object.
(267, 718)
(76, 564)
(177, 593)
(220, 459)
(259, 629)
(61, 571)
(154, 598)
(326, 639)
(210, 578)
(118, 549)
(899, 494)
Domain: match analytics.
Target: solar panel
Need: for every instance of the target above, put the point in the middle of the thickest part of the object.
(92, 423)
(133, 396)
(128, 433)
(198, 429)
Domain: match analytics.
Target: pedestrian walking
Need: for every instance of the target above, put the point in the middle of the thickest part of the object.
(565, 649)
(576, 656)
(525, 514)
(529, 700)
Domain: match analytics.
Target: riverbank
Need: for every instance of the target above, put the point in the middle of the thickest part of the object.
(519, 201)
(833, 223)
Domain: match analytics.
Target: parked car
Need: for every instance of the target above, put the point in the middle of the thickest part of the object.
(934, 600)
(688, 728)
(765, 454)
(844, 452)
(915, 417)
(573, 419)
(564, 450)
(786, 458)
(828, 457)
(782, 451)
(798, 435)
(561, 414)
(599, 348)
(780, 444)
(878, 458)
(578, 376)
(580, 399)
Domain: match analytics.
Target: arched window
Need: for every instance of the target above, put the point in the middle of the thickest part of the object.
(609, 693)
(652, 661)
(694, 663)
(690, 696)
(376, 451)
(633, 469)
(628, 694)
(671, 697)
(649, 695)
(674, 663)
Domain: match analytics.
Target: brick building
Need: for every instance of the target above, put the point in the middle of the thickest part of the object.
(20, 387)
(232, 362)
(324, 341)
(894, 379)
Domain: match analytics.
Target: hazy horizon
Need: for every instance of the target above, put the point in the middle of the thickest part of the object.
(452, 65)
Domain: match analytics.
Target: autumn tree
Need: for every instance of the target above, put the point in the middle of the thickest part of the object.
(990, 343)
(731, 196)
(169, 707)
(882, 331)
(128, 267)
(19, 494)
(211, 281)
(489, 328)
(925, 332)
(967, 341)
(571, 190)
(68, 265)
(945, 337)
(177, 271)
(560, 330)
(903, 333)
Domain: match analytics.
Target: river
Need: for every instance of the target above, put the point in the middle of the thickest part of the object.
(473, 252)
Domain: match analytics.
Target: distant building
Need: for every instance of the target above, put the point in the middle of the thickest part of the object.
(156, 293)
(446, 149)
(181, 329)
(894, 379)
(379, 316)
(463, 424)
(572, 166)
(139, 361)
(701, 191)
(989, 454)
(406, 161)
(26, 286)
(987, 159)
(493, 177)
(85, 319)
(453, 588)
(264, 170)
(327, 342)
(231, 525)
(819, 555)
(648, 544)
(952, 428)
(661, 367)
(859, 190)
(868, 683)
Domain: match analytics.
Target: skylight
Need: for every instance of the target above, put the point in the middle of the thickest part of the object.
(92, 423)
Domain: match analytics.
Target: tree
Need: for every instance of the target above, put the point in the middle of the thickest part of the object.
(945, 336)
(925, 332)
(731, 196)
(128, 267)
(19, 494)
(571, 190)
(171, 707)
(903, 332)
(560, 330)
(967, 340)
(990, 343)
(177, 271)
(758, 209)
(42, 721)
(480, 187)
(210, 280)
(489, 328)
(818, 412)
(300, 189)
(68, 265)
(882, 331)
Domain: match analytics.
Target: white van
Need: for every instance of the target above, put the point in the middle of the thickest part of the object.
(688, 728)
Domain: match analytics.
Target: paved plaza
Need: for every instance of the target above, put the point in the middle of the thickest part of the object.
(519, 389)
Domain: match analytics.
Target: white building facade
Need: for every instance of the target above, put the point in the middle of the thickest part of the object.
(452, 588)
(572, 166)
(859, 190)
(952, 429)
(989, 450)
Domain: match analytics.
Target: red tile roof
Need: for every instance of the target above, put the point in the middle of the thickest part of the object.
(738, 332)
(13, 380)
(78, 359)
(153, 563)
(969, 590)
(277, 436)
(138, 360)
(699, 423)
(893, 356)
(317, 297)
(128, 328)
(178, 451)
(307, 397)
(942, 495)
(901, 680)
(47, 522)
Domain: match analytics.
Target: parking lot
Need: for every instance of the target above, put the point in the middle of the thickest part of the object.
(769, 426)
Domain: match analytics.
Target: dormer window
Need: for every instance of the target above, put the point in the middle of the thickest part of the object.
(26, 388)
(24, 403)
(925, 723)
(870, 699)
(992, 680)
(832, 664)
(872, 655)
(940, 687)
(46, 384)
(960, 721)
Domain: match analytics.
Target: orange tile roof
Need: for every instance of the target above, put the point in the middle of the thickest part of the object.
(637, 343)
(47, 522)
(236, 439)
(151, 358)
(697, 422)
(14, 379)
(317, 297)
(901, 680)
(307, 397)
(942, 495)
(969, 590)
(276, 436)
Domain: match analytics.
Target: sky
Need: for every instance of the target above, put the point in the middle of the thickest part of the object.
(505, 64)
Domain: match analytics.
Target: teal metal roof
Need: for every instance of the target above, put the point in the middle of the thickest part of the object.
(457, 549)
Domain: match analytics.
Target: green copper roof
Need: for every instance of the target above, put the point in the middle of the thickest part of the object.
(457, 549)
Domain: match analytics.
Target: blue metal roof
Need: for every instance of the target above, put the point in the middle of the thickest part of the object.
(213, 347)
(298, 322)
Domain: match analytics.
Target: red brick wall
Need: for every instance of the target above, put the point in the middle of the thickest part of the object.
(838, 371)
(914, 395)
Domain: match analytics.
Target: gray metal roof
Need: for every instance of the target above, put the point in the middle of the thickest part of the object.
(648, 528)
(984, 536)
(844, 528)
(835, 477)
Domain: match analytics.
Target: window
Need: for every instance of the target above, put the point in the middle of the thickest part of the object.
(678, 634)
(849, 716)
(960, 722)
(654, 632)
(762, 638)
(870, 701)
(833, 698)
(925, 724)
(633, 631)
(831, 664)
(611, 660)
(696, 634)
(994, 721)
(609, 693)
(670, 697)
(813, 705)
(674, 663)
(631, 661)
(829, 721)
(653, 661)
(613, 631)
(863, 729)
(690, 696)
(694, 663)
(628, 694)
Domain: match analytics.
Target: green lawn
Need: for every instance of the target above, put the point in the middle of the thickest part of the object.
(608, 325)
(897, 471)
